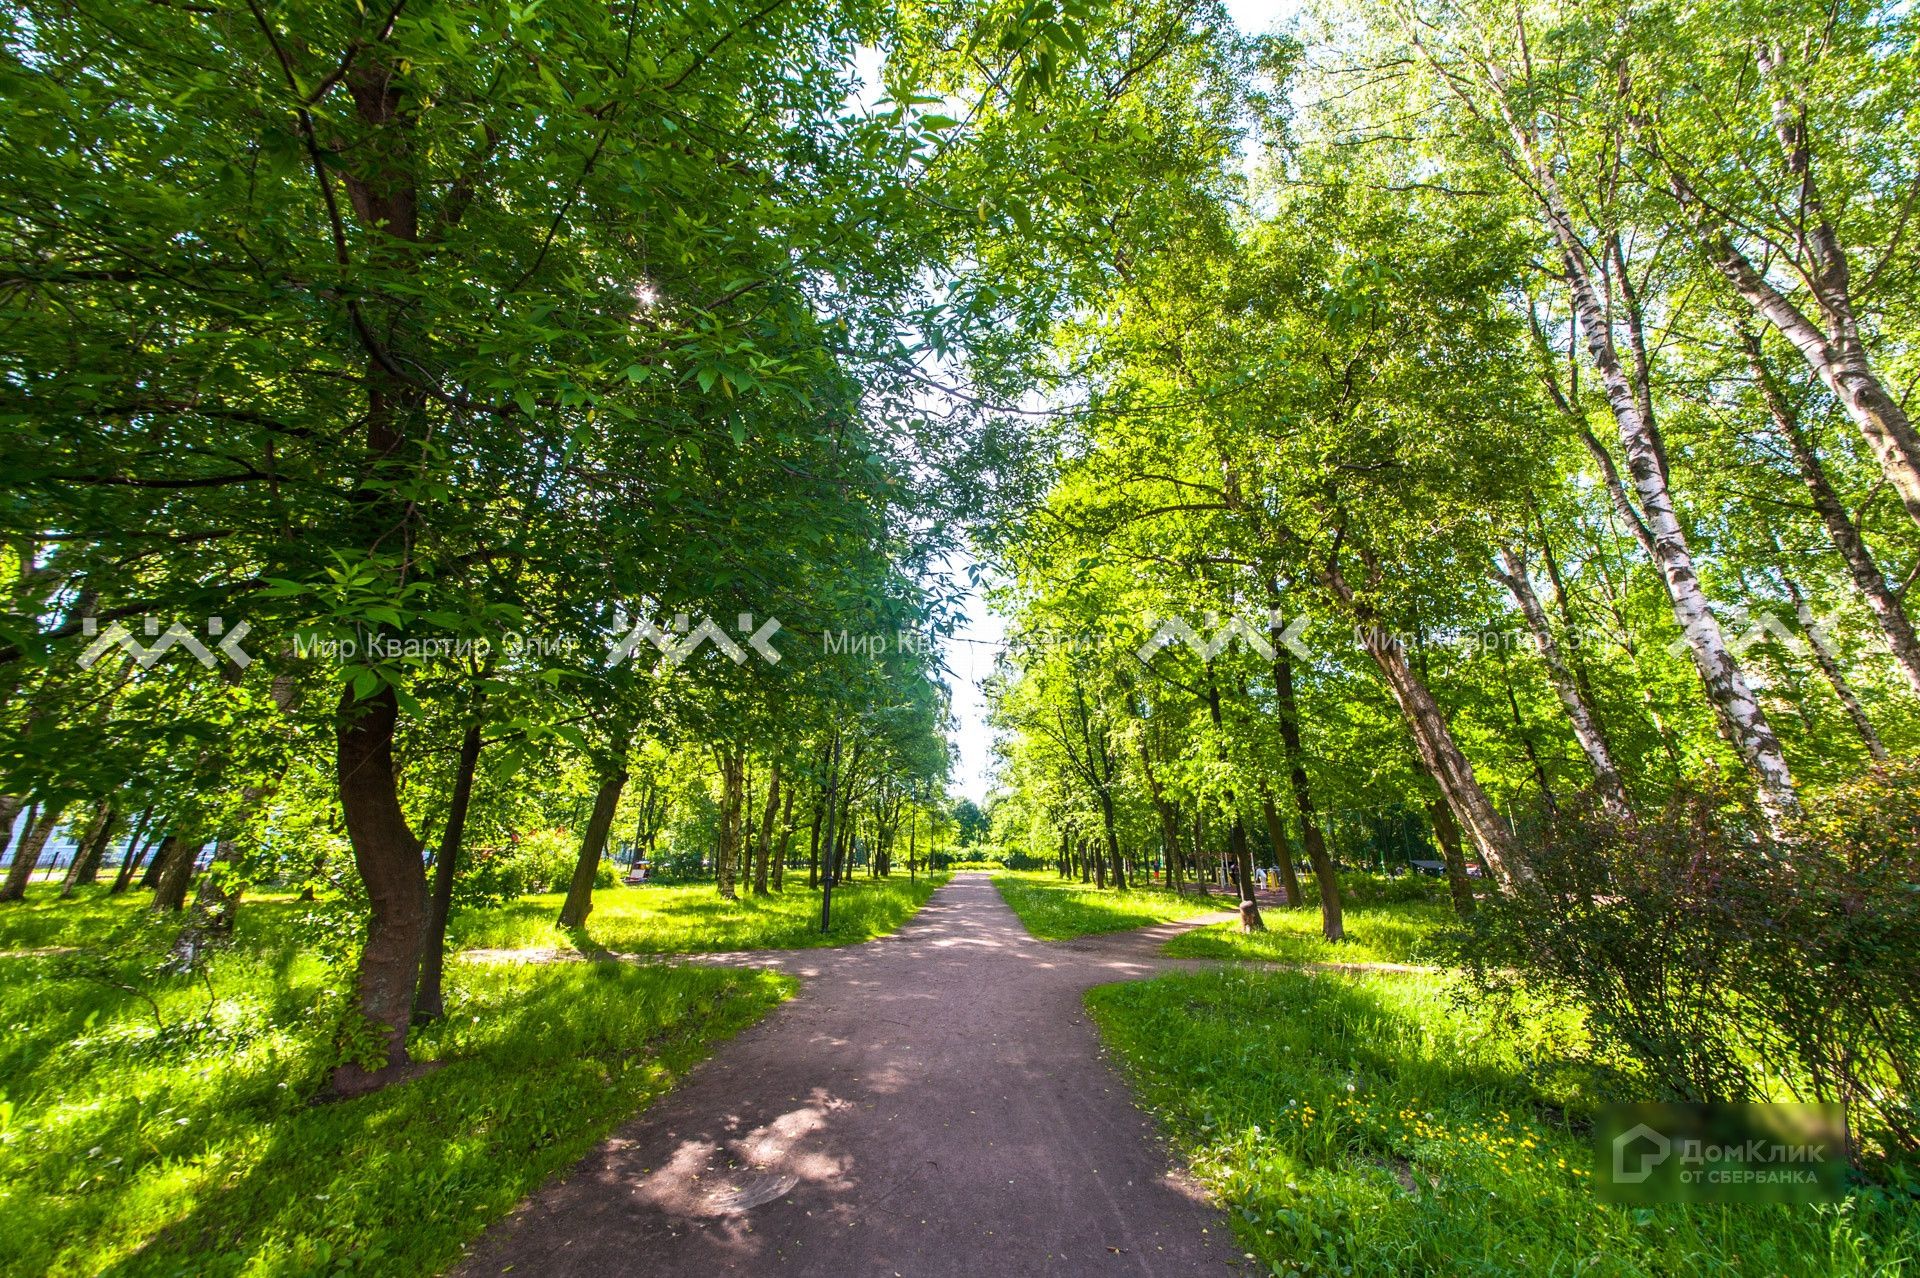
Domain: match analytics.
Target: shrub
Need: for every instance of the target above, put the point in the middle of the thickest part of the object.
(1361, 887)
(1714, 961)
(537, 861)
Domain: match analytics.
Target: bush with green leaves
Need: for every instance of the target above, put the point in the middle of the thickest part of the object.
(535, 862)
(1715, 961)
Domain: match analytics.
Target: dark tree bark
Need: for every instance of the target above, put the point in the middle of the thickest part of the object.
(430, 1002)
(85, 869)
(1283, 853)
(386, 852)
(176, 873)
(1287, 710)
(593, 843)
(1446, 832)
(139, 847)
(764, 852)
(26, 857)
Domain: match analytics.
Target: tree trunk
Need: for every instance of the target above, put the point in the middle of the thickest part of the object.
(1283, 854)
(593, 842)
(786, 842)
(10, 806)
(813, 843)
(177, 874)
(26, 857)
(1837, 357)
(429, 1003)
(833, 781)
(139, 847)
(1741, 718)
(1867, 577)
(1823, 656)
(1113, 842)
(1446, 832)
(732, 767)
(93, 846)
(1287, 710)
(386, 852)
(1432, 737)
(764, 853)
(1580, 712)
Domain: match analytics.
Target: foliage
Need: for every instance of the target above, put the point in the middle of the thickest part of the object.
(1723, 965)
(1417, 933)
(687, 919)
(163, 1123)
(1373, 1126)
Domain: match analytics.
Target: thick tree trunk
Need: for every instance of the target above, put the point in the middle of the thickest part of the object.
(1886, 606)
(593, 842)
(764, 852)
(1119, 868)
(387, 855)
(1580, 713)
(170, 848)
(1432, 738)
(1287, 711)
(726, 859)
(430, 1002)
(1283, 853)
(85, 869)
(1446, 832)
(786, 842)
(26, 857)
(10, 806)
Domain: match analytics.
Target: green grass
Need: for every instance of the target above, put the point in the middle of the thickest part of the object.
(1374, 1127)
(1054, 909)
(693, 919)
(1409, 933)
(180, 1136)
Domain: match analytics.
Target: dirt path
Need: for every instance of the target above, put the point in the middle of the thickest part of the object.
(935, 1102)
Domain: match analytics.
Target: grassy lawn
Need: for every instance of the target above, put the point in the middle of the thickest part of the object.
(152, 1124)
(1372, 1126)
(1058, 910)
(692, 919)
(1405, 933)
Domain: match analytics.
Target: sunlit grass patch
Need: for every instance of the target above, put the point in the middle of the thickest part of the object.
(1056, 909)
(1401, 933)
(693, 918)
(181, 1137)
(1374, 1126)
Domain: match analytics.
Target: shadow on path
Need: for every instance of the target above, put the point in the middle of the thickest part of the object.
(932, 1102)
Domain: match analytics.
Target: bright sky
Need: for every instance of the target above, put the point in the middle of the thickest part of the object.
(970, 655)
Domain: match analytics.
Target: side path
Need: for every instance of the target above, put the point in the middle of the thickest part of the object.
(935, 1102)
